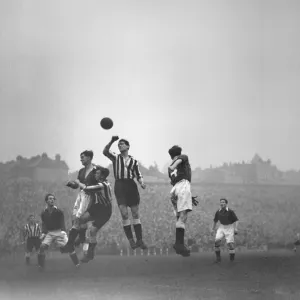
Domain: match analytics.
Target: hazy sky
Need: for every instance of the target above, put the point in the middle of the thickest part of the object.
(220, 78)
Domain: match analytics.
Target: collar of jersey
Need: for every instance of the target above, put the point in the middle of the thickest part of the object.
(55, 207)
(225, 208)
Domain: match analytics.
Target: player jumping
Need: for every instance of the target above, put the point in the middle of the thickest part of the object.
(53, 230)
(126, 168)
(99, 212)
(181, 196)
(228, 228)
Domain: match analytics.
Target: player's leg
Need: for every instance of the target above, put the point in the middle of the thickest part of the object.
(179, 245)
(133, 201)
(81, 236)
(182, 192)
(218, 240)
(127, 225)
(82, 199)
(37, 244)
(229, 236)
(137, 226)
(74, 233)
(91, 238)
(29, 248)
(121, 193)
(100, 219)
(47, 241)
(61, 241)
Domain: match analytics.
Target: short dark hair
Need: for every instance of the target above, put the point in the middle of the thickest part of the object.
(104, 171)
(88, 153)
(125, 142)
(224, 199)
(175, 151)
(47, 196)
(31, 215)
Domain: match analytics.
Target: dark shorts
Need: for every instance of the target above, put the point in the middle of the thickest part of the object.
(126, 192)
(33, 242)
(100, 214)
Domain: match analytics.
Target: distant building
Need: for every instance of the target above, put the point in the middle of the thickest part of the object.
(40, 168)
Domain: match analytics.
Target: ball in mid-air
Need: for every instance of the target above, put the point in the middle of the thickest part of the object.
(106, 123)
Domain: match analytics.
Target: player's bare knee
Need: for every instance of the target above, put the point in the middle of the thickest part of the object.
(135, 215)
(183, 216)
(180, 224)
(124, 212)
(135, 212)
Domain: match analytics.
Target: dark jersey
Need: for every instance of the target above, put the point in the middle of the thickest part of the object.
(52, 221)
(182, 171)
(89, 179)
(225, 216)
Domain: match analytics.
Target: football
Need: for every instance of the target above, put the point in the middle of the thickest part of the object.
(106, 123)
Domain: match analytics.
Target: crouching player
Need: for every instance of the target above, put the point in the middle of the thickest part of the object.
(53, 230)
(32, 233)
(98, 213)
(181, 196)
(228, 228)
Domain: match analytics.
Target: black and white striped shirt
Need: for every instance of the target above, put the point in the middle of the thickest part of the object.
(101, 193)
(128, 169)
(31, 231)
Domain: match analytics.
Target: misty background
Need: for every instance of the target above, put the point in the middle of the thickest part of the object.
(219, 78)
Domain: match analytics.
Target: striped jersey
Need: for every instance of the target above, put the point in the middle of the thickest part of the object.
(101, 193)
(32, 230)
(124, 168)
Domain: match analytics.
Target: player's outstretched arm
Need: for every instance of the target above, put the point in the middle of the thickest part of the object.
(106, 150)
(174, 165)
(94, 188)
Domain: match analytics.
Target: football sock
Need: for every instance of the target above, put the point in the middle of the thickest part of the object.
(128, 232)
(41, 259)
(74, 258)
(137, 226)
(91, 250)
(72, 236)
(180, 236)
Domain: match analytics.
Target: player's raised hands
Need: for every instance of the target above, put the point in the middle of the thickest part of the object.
(114, 138)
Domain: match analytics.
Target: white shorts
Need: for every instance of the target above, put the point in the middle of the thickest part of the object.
(181, 196)
(226, 231)
(81, 204)
(59, 237)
